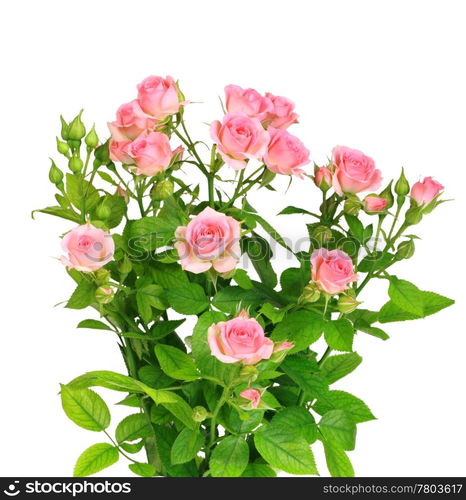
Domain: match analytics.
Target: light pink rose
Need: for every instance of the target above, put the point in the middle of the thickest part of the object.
(374, 203)
(239, 139)
(118, 151)
(87, 248)
(253, 395)
(211, 239)
(239, 339)
(354, 171)
(332, 270)
(151, 152)
(131, 121)
(285, 153)
(282, 114)
(247, 102)
(322, 175)
(424, 192)
(158, 97)
(283, 346)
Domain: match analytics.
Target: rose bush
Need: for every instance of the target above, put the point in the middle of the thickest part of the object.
(239, 389)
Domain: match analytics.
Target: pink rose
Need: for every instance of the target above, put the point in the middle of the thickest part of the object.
(151, 152)
(118, 151)
(374, 203)
(158, 96)
(354, 171)
(247, 102)
(211, 239)
(87, 248)
(285, 153)
(424, 192)
(253, 395)
(131, 121)
(239, 138)
(332, 270)
(323, 178)
(282, 114)
(239, 339)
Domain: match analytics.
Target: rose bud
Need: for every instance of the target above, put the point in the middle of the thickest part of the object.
(239, 139)
(75, 164)
(354, 171)
(347, 304)
(332, 270)
(200, 414)
(402, 185)
(323, 178)
(104, 295)
(63, 148)
(322, 235)
(87, 248)
(285, 153)
(162, 190)
(352, 205)
(253, 396)
(159, 97)
(373, 204)
(249, 373)
(247, 102)
(121, 191)
(280, 350)
(405, 250)
(55, 174)
(102, 276)
(76, 129)
(211, 239)
(92, 139)
(311, 294)
(241, 339)
(426, 191)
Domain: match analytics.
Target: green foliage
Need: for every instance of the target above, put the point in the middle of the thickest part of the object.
(176, 363)
(338, 426)
(133, 427)
(186, 446)
(336, 367)
(230, 457)
(339, 334)
(189, 298)
(96, 458)
(303, 328)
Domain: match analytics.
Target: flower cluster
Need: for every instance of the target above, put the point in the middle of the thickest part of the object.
(244, 381)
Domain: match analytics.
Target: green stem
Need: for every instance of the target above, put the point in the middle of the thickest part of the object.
(377, 233)
(395, 219)
(118, 447)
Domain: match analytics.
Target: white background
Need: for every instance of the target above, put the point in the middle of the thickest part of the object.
(386, 77)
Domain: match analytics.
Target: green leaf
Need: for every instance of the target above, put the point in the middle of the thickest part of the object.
(144, 470)
(338, 426)
(148, 233)
(356, 228)
(168, 275)
(293, 281)
(303, 372)
(241, 424)
(85, 408)
(132, 427)
(406, 296)
(232, 299)
(165, 437)
(257, 469)
(83, 296)
(340, 400)
(147, 297)
(77, 189)
(271, 231)
(339, 334)
(154, 377)
(282, 449)
(97, 457)
(376, 261)
(186, 446)
(241, 277)
(431, 303)
(362, 326)
(162, 328)
(336, 367)
(175, 404)
(301, 327)
(299, 420)
(93, 324)
(260, 254)
(294, 210)
(230, 457)
(107, 379)
(189, 298)
(275, 315)
(338, 463)
(118, 208)
(64, 213)
(176, 363)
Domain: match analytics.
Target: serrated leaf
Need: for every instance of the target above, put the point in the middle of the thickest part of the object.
(108, 379)
(338, 463)
(340, 365)
(257, 469)
(300, 327)
(406, 296)
(83, 295)
(299, 420)
(231, 299)
(242, 279)
(303, 372)
(189, 298)
(132, 427)
(230, 457)
(275, 315)
(282, 449)
(337, 425)
(340, 400)
(339, 334)
(176, 363)
(186, 446)
(85, 408)
(260, 254)
(62, 212)
(148, 233)
(144, 470)
(77, 189)
(162, 328)
(96, 458)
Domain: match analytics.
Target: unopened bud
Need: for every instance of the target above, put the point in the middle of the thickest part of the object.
(76, 130)
(310, 294)
(249, 373)
(200, 414)
(101, 154)
(162, 190)
(352, 206)
(402, 185)
(125, 266)
(347, 304)
(323, 178)
(103, 211)
(322, 234)
(413, 216)
(104, 294)
(405, 250)
(62, 147)
(91, 139)
(64, 129)
(102, 276)
(75, 164)
(55, 174)
(387, 195)
(122, 192)
(374, 204)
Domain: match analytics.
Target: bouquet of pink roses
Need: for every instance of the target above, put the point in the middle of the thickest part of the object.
(242, 393)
